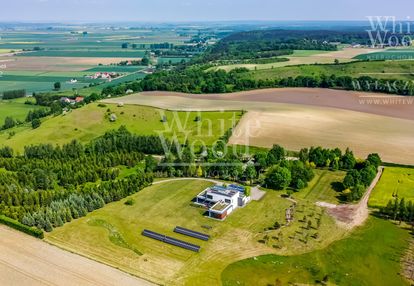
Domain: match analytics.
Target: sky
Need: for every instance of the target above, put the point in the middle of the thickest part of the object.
(199, 10)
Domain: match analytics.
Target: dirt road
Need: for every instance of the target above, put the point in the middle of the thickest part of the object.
(29, 261)
(350, 216)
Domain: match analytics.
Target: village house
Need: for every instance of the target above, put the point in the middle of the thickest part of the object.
(222, 200)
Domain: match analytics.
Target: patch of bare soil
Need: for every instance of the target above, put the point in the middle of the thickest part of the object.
(353, 215)
(374, 103)
(408, 263)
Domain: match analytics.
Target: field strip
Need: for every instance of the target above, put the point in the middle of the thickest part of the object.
(24, 257)
(298, 118)
(270, 99)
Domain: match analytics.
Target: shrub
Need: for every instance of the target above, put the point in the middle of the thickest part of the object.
(130, 202)
(21, 227)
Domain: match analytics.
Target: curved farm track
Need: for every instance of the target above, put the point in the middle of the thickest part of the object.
(352, 215)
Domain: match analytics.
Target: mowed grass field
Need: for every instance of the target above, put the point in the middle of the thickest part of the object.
(113, 234)
(325, 187)
(14, 108)
(370, 256)
(92, 121)
(395, 182)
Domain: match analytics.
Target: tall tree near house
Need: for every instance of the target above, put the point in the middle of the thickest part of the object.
(250, 173)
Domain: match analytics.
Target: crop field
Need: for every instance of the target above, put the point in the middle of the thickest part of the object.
(92, 121)
(362, 133)
(388, 55)
(172, 60)
(305, 57)
(113, 68)
(25, 260)
(14, 108)
(377, 69)
(298, 118)
(96, 51)
(86, 54)
(360, 259)
(42, 82)
(395, 182)
(63, 64)
(112, 234)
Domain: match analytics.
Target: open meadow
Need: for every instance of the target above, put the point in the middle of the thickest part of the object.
(325, 187)
(15, 108)
(93, 120)
(391, 70)
(395, 182)
(113, 234)
(360, 259)
(305, 57)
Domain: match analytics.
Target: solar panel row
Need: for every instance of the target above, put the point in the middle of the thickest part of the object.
(191, 233)
(171, 240)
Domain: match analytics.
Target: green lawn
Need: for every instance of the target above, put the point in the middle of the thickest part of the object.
(112, 234)
(394, 182)
(370, 256)
(92, 121)
(325, 187)
(14, 108)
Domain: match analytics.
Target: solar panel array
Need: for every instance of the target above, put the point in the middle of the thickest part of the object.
(191, 233)
(237, 188)
(171, 240)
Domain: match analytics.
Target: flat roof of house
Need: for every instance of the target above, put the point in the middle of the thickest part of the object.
(220, 206)
(222, 191)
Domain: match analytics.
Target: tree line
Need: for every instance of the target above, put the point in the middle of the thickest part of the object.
(197, 80)
(49, 185)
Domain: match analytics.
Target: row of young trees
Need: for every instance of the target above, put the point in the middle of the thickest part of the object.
(12, 94)
(399, 210)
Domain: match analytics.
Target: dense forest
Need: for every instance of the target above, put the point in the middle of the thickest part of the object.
(48, 186)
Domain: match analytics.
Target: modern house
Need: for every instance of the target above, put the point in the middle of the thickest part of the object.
(222, 200)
